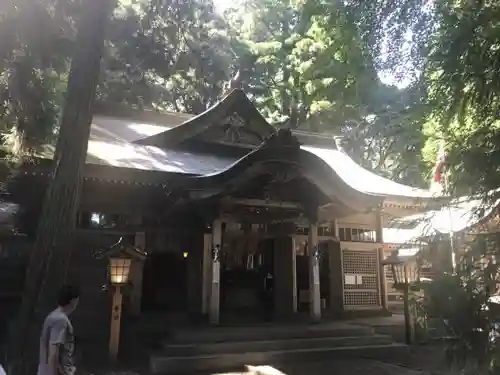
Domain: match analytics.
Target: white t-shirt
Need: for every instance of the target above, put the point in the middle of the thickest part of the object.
(57, 330)
(2, 371)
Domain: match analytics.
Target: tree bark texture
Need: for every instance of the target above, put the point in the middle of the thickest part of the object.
(51, 254)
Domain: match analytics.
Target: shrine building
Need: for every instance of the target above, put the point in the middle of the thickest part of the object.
(226, 207)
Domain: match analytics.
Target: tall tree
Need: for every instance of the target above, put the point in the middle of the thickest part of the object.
(314, 66)
(389, 139)
(34, 52)
(308, 68)
(462, 73)
(310, 65)
(167, 54)
(52, 250)
(160, 54)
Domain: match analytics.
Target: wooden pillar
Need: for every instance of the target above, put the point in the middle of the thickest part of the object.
(207, 273)
(443, 254)
(285, 276)
(136, 271)
(294, 277)
(215, 288)
(384, 299)
(314, 290)
(336, 304)
(114, 336)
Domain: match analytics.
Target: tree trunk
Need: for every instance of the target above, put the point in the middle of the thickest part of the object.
(51, 254)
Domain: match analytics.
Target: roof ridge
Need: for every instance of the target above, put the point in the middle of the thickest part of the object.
(134, 113)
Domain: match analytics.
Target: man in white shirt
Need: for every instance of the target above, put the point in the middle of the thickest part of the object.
(57, 341)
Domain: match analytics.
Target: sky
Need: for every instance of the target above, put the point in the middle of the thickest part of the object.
(222, 5)
(388, 79)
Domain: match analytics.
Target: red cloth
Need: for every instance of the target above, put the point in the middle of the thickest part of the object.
(440, 164)
(438, 172)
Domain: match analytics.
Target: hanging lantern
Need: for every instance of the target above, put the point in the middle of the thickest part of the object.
(119, 269)
(120, 256)
(404, 271)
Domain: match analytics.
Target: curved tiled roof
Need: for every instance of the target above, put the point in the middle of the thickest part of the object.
(150, 158)
(111, 144)
(459, 215)
(129, 155)
(272, 156)
(362, 179)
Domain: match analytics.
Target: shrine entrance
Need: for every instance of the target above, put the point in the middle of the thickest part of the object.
(252, 211)
(247, 277)
(329, 263)
(250, 262)
(165, 283)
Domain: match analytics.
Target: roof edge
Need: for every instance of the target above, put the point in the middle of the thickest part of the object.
(197, 124)
(140, 114)
(283, 147)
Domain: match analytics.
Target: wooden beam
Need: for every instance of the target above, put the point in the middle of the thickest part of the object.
(202, 194)
(258, 219)
(262, 203)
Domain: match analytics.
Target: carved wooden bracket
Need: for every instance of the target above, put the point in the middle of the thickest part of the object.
(233, 124)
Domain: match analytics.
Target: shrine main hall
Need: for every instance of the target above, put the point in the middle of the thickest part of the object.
(239, 221)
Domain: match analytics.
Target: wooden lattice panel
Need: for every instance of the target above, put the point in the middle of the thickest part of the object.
(360, 262)
(355, 298)
(366, 282)
(361, 278)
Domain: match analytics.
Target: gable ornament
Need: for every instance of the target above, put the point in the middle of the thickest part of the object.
(282, 138)
(234, 123)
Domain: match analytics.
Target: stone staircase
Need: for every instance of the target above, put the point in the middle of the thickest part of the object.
(231, 348)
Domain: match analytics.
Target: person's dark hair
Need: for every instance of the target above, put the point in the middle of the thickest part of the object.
(67, 293)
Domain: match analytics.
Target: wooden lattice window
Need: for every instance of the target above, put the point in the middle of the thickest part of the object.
(360, 262)
(361, 278)
(357, 235)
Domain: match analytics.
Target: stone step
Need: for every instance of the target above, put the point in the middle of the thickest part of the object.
(268, 333)
(162, 364)
(183, 350)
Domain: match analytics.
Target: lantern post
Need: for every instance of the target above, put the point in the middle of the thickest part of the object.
(119, 270)
(120, 257)
(404, 272)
